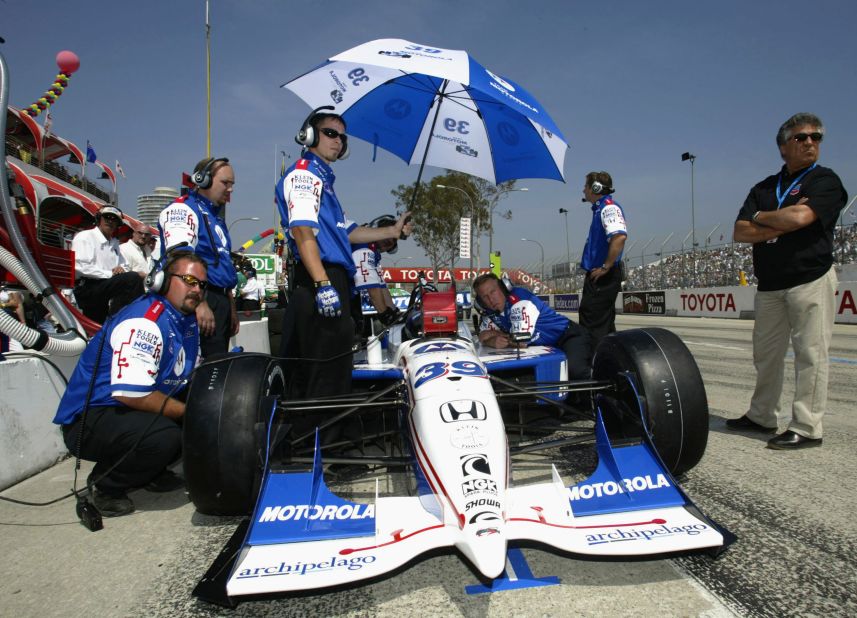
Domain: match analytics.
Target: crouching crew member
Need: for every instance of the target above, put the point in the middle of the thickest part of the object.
(194, 222)
(122, 382)
(317, 326)
(510, 310)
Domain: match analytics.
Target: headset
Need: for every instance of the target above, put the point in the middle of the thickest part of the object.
(308, 135)
(202, 178)
(158, 281)
(386, 221)
(505, 285)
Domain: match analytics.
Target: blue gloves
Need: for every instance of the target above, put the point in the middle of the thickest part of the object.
(327, 301)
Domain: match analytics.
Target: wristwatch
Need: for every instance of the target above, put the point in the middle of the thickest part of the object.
(756, 215)
(321, 284)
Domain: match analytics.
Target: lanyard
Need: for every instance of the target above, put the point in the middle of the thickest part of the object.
(781, 197)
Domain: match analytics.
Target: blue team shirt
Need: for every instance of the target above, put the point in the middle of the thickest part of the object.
(195, 220)
(526, 312)
(305, 197)
(608, 219)
(148, 346)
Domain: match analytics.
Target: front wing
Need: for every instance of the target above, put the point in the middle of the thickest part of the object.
(304, 537)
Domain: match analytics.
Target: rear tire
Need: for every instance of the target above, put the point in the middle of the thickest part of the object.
(670, 388)
(225, 427)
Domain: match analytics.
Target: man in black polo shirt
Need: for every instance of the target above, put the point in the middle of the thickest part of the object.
(790, 217)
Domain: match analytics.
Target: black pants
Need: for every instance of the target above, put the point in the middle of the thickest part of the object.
(322, 344)
(576, 344)
(99, 297)
(112, 433)
(598, 305)
(221, 307)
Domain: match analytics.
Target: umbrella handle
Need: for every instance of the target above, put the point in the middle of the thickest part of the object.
(404, 236)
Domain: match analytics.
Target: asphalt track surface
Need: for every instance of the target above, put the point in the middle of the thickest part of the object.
(792, 513)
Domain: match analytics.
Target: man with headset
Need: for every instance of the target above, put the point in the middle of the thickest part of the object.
(317, 326)
(195, 222)
(118, 409)
(103, 283)
(509, 311)
(602, 258)
(368, 276)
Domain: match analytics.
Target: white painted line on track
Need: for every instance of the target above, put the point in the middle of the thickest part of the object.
(715, 345)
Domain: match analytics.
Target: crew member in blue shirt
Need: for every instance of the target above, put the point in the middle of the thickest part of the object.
(602, 257)
(508, 311)
(317, 327)
(140, 358)
(195, 222)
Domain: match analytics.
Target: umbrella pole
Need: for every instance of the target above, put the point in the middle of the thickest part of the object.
(428, 143)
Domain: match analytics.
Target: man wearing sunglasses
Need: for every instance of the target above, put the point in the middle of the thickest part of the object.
(103, 282)
(140, 360)
(318, 323)
(136, 250)
(789, 218)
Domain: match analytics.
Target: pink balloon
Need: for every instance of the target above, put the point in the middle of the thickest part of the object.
(68, 62)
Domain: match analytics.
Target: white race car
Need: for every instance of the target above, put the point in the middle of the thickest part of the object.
(437, 397)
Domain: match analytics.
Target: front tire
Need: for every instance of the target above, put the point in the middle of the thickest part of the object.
(670, 389)
(228, 407)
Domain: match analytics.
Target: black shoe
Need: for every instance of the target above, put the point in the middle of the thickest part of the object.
(789, 441)
(745, 424)
(166, 481)
(112, 505)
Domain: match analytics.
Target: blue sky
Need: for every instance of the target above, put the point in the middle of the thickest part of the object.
(631, 84)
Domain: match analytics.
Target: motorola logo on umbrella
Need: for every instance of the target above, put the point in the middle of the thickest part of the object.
(501, 81)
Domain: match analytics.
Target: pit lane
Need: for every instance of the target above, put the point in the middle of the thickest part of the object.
(795, 554)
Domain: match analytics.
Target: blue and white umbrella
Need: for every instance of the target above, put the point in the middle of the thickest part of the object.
(439, 107)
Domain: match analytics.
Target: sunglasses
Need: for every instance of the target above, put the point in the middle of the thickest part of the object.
(191, 281)
(332, 133)
(802, 137)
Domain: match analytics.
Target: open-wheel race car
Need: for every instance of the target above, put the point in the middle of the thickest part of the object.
(444, 408)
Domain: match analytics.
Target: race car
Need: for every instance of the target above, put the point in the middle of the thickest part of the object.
(440, 404)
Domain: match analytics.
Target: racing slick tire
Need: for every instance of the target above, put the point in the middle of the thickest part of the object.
(670, 388)
(229, 403)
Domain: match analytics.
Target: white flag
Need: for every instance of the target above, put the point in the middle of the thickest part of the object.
(464, 238)
(119, 169)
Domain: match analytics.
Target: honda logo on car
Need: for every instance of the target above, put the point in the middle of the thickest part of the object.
(464, 410)
(610, 488)
(304, 568)
(317, 511)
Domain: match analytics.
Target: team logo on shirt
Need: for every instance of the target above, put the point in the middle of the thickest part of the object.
(178, 367)
(795, 191)
(219, 231)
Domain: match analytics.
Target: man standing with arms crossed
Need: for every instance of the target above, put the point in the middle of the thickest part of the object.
(790, 217)
(602, 258)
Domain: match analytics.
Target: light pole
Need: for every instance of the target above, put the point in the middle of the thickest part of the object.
(686, 156)
(564, 211)
(542, 275)
(690, 157)
(473, 224)
(491, 206)
(229, 227)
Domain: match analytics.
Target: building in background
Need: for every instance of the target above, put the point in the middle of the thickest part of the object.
(149, 206)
